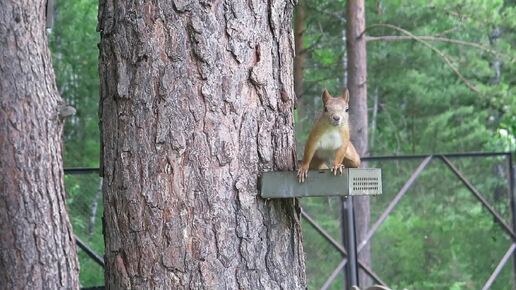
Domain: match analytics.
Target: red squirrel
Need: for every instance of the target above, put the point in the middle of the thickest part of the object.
(329, 140)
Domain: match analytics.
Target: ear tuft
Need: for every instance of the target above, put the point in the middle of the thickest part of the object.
(345, 95)
(325, 96)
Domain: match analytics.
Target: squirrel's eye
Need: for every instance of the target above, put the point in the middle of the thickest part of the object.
(347, 110)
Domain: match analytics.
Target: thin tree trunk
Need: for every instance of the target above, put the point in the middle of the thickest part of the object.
(93, 210)
(373, 121)
(357, 85)
(345, 58)
(36, 241)
(496, 64)
(196, 101)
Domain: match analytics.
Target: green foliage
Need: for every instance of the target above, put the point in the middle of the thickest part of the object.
(419, 94)
(414, 86)
(322, 258)
(73, 42)
(439, 236)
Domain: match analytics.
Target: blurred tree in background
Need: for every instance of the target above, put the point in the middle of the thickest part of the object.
(438, 237)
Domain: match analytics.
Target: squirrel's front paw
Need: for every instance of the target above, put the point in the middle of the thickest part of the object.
(337, 169)
(302, 174)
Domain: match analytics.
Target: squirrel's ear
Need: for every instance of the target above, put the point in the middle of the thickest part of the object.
(345, 95)
(325, 96)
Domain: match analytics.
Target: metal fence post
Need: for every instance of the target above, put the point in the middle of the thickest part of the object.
(513, 208)
(349, 239)
(343, 234)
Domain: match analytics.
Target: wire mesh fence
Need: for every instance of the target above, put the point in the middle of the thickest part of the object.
(85, 206)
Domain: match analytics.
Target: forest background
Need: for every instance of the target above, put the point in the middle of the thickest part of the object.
(450, 90)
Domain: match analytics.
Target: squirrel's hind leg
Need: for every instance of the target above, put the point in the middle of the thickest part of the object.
(351, 159)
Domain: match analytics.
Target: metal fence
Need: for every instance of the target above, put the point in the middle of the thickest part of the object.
(348, 251)
(349, 264)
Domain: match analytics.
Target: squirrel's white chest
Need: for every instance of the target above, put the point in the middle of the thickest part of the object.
(328, 143)
(330, 140)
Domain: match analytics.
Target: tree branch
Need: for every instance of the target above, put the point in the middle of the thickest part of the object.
(324, 11)
(311, 47)
(445, 57)
(435, 38)
(447, 31)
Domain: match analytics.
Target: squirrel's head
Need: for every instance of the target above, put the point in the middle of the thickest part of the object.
(336, 108)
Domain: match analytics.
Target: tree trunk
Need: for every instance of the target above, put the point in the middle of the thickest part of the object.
(196, 101)
(36, 241)
(357, 85)
(374, 121)
(92, 222)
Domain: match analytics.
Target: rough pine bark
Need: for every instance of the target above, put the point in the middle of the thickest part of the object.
(37, 249)
(196, 101)
(357, 85)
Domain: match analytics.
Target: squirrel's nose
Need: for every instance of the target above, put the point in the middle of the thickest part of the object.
(336, 118)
